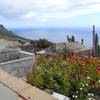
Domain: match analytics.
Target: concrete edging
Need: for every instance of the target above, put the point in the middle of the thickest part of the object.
(23, 89)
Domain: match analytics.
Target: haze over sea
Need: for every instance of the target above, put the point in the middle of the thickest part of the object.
(58, 35)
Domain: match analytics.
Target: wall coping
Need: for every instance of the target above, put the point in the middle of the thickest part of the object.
(23, 89)
(17, 60)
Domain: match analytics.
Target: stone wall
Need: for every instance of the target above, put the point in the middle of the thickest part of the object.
(19, 67)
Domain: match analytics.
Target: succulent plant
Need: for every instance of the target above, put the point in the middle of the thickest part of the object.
(96, 46)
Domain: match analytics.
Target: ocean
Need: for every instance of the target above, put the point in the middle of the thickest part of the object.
(58, 35)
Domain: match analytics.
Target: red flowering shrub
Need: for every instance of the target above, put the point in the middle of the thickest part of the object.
(76, 76)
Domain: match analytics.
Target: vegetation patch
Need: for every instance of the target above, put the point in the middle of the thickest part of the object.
(75, 76)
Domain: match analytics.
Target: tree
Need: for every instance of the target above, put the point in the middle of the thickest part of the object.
(21, 42)
(32, 42)
(43, 43)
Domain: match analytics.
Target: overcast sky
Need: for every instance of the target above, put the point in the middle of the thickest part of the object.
(49, 13)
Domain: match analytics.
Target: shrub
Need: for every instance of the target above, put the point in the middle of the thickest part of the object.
(75, 76)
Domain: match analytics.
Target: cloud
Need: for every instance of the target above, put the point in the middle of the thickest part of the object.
(1, 17)
(45, 10)
(29, 15)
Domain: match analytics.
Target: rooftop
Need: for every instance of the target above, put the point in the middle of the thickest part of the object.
(76, 47)
(70, 46)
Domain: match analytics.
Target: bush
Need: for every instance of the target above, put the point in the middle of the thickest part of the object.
(75, 76)
(49, 76)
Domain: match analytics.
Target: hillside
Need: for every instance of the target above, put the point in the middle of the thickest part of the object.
(8, 35)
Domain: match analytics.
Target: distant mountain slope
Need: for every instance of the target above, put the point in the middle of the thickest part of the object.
(6, 34)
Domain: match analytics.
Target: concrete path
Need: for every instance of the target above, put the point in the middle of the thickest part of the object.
(23, 89)
(7, 94)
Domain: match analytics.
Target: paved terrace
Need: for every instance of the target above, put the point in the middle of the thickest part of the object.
(24, 90)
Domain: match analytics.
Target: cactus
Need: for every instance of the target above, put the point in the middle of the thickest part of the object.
(70, 39)
(73, 38)
(82, 41)
(99, 50)
(96, 46)
(94, 38)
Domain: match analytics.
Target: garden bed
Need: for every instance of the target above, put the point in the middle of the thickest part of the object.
(76, 76)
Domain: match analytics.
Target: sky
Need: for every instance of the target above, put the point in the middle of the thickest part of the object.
(49, 13)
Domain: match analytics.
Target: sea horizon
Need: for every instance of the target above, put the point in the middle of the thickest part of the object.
(57, 35)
